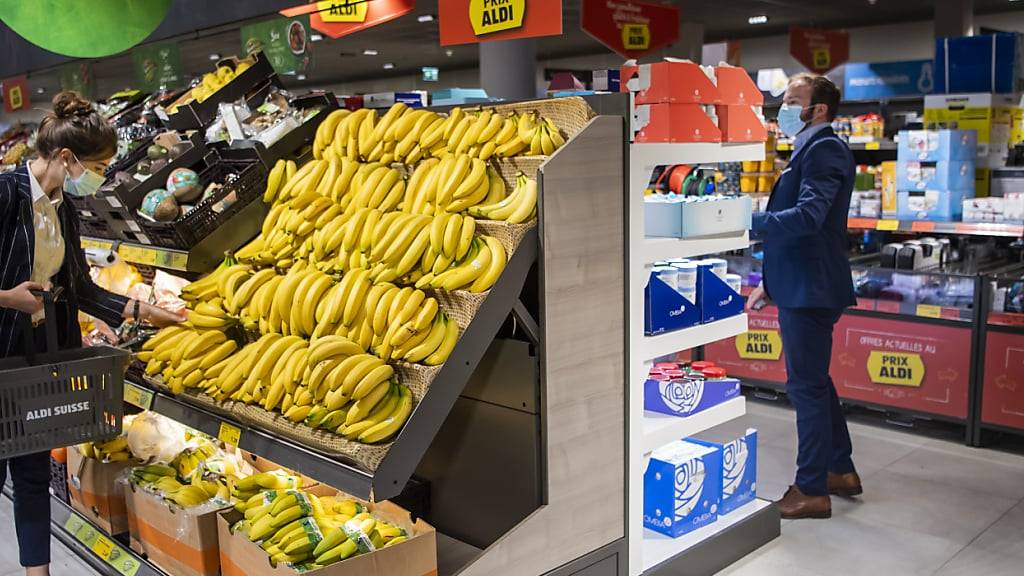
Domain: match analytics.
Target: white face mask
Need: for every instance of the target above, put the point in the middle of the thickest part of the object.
(85, 185)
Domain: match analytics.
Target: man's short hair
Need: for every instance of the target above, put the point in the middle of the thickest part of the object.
(823, 91)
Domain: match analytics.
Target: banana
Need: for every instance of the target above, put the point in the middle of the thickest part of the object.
(208, 322)
(161, 336)
(451, 235)
(274, 181)
(215, 356)
(357, 295)
(390, 425)
(382, 410)
(451, 337)
(364, 406)
(371, 381)
(490, 130)
(525, 206)
(465, 237)
(331, 346)
(246, 291)
(494, 268)
(477, 174)
(437, 230)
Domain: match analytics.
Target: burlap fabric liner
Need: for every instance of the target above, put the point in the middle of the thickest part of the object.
(570, 114)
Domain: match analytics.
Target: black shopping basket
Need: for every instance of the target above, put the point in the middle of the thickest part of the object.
(59, 398)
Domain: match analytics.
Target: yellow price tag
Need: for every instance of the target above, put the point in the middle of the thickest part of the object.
(96, 244)
(759, 345)
(138, 255)
(103, 547)
(137, 396)
(784, 146)
(929, 311)
(890, 225)
(872, 146)
(229, 434)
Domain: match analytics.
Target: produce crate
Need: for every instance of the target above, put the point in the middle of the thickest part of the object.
(130, 159)
(213, 212)
(197, 115)
(294, 143)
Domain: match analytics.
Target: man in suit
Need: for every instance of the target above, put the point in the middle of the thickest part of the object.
(807, 275)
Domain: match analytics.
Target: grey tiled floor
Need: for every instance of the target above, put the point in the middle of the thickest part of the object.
(931, 507)
(63, 562)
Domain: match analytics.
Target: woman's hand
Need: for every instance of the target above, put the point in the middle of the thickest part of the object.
(21, 298)
(159, 317)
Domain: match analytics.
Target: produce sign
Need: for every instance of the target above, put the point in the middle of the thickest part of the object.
(630, 27)
(16, 94)
(819, 50)
(470, 21)
(158, 66)
(285, 41)
(907, 365)
(339, 18)
(1003, 397)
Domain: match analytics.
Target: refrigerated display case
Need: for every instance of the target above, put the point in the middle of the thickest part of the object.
(1001, 365)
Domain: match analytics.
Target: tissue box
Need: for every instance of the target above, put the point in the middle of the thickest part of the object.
(675, 81)
(688, 217)
(938, 205)
(936, 145)
(739, 467)
(715, 298)
(940, 175)
(681, 397)
(665, 309)
(682, 488)
(675, 123)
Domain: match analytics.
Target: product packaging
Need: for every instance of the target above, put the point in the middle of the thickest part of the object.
(936, 145)
(937, 205)
(888, 188)
(670, 81)
(685, 397)
(416, 99)
(985, 63)
(672, 216)
(682, 488)
(991, 116)
(717, 300)
(1007, 209)
(95, 491)
(741, 123)
(941, 175)
(739, 467)
(675, 123)
(666, 309)
(415, 557)
(606, 81)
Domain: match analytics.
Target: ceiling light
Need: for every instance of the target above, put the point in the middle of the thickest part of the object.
(214, 56)
(761, 19)
(300, 77)
(369, 52)
(425, 18)
(388, 66)
(315, 37)
(449, 52)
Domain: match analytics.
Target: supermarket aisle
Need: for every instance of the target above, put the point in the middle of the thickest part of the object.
(63, 561)
(931, 507)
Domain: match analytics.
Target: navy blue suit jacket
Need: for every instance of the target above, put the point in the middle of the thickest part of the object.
(804, 229)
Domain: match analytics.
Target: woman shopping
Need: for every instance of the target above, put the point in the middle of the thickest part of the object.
(40, 250)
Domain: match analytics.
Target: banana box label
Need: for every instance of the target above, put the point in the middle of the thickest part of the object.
(490, 16)
(759, 345)
(896, 368)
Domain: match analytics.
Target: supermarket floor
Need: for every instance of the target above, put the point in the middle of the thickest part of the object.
(63, 561)
(930, 506)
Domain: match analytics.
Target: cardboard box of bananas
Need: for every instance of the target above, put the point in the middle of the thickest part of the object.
(199, 476)
(318, 528)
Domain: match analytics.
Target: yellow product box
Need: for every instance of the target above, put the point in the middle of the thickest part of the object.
(990, 115)
(889, 187)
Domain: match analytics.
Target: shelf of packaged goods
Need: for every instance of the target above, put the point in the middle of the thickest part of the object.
(658, 154)
(659, 249)
(671, 342)
(167, 258)
(928, 227)
(660, 429)
(884, 145)
(711, 548)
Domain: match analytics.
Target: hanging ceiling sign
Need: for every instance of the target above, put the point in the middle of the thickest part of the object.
(876, 80)
(84, 29)
(285, 42)
(629, 27)
(819, 50)
(78, 76)
(474, 21)
(343, 17)
(16, 94)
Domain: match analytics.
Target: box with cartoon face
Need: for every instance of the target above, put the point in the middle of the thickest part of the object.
(682, 488)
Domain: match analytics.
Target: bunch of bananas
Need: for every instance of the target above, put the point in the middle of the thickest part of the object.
(246, 488)
(163, 480)
(114, 450)
(187, 357)
(191, 459)
(211, 82)
(452, 184)
(308, 532)
(517, 208)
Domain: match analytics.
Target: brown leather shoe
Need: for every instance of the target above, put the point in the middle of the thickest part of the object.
(845, 485)
(796, 505)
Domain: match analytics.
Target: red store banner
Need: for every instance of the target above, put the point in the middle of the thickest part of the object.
(756, 355)
(473, 21)
(16, 94)
(1002, 400)
(819, 50)
(339, 18)
(630, 28)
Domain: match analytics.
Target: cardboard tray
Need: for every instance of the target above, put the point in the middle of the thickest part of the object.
(197, 115)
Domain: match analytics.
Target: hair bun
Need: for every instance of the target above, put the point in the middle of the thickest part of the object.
(69, 104)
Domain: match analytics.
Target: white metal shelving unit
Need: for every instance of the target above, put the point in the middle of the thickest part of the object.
(649, 551)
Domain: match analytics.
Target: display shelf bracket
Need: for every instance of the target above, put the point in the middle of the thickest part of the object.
(526, 322)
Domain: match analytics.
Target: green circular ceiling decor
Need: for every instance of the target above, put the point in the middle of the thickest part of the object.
(84, 28)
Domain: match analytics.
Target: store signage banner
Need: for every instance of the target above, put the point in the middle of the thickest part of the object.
(339, 18)
(756, 355)
(877, 80)
(78, 76)
(158, 66)
(473, 21)
(630, 27)
(16, 94)
(285, 41)
(819, 50)
(1003, 397)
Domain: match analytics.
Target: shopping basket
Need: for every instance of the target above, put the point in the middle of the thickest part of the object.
(61, 397)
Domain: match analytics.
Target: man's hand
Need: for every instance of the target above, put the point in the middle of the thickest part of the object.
(21, 298)
(757, 299)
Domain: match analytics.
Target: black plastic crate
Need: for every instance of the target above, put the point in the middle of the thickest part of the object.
(294, 144)
(198, 115)
(59, 479)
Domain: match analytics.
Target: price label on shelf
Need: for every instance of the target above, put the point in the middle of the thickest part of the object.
(929, 311)
(95, 244)
(229, 434)
(923, 226)
(138, 255)
(103, 547)
(872, 146)
(138, 396)
(890, 225)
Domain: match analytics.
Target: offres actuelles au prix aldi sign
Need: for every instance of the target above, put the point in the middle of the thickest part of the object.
(472, 21)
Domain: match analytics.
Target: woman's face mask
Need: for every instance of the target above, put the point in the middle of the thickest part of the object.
(85, 184)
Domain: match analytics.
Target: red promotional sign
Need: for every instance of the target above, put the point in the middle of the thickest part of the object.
(819, 50)
(756, 355)
(471, 21)
(16, 94)
(630, 27)
(339, 18)
(906, 365)
(1003, 396)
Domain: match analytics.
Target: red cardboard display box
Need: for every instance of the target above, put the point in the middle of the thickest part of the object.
(736, 87)
(740, 123)
(675, 123)
(674, 81)
(95, 491)
(177, 540)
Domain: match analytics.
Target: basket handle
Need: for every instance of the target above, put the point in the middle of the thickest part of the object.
(49, 299)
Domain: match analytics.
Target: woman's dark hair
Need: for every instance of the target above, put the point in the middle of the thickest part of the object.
(76, 125)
